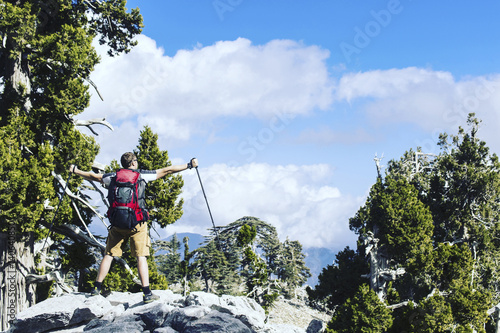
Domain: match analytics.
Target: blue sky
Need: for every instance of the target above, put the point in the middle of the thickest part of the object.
(286, 104)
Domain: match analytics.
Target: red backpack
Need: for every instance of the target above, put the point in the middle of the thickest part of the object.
(126, 199)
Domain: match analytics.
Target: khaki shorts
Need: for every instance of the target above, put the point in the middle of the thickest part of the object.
(140, 243)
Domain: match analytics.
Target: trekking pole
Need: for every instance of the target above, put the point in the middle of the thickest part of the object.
(58, 205)
(208, 206)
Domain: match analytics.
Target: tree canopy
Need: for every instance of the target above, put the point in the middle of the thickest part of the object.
(428, 241)
(46, 58)
(246, 258)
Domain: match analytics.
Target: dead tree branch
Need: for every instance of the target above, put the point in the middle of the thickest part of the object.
(62, 182)
(88, 123)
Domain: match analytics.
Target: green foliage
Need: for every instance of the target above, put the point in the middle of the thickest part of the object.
(404, 223)
(362, 313)
(436, 217)
(292, 269)
(246, 235)
(243, 256)
(454, 263)
(162, 195)
(46, 57)
(157, 281)
(432, 315)
(169, 263)
(226, 265)
(212, 265)
(340, 281)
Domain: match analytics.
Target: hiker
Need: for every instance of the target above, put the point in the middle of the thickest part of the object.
(128, 219)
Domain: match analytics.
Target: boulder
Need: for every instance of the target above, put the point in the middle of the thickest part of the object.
(60, 312)
(180, 317)
(217, 322)
(316, 326)
(198, 312)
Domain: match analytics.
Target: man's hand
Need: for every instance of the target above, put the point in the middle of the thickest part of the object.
(193, 163)
(91, 176)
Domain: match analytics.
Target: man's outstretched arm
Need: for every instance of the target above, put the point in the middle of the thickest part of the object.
(176, 168)
(88, 175)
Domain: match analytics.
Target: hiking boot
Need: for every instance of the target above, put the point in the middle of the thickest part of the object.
(150, 298)
(105, 292)
(95, 292)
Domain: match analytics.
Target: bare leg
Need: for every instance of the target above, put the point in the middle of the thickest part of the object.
(104, 267)
(142, 267)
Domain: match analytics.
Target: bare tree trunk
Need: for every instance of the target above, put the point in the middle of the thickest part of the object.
(16, 262)
(17, 83)
(16, 250)
(185, 285)
(497, 320)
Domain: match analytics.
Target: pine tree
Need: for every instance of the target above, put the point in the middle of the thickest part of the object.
(292, 269)
(212, 265)
(185, 268)
(169, 262)
(363, 313)
(339, 281)
(430, 232)
(162, 196)
(252, 256)
(46, 58)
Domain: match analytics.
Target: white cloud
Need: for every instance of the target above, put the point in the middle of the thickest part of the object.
(431, 99)
(175, 95)
(292, 198)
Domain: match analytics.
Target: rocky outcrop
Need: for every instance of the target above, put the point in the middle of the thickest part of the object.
(198, 312)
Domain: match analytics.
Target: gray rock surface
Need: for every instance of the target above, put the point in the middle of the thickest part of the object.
(198, 312)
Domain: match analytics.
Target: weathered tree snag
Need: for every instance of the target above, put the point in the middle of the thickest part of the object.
(380, 271)
(88, 123)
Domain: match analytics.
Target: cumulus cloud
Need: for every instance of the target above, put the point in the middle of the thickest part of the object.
(176, 94)
(297, 200)
(430, 99)
(180, 95)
